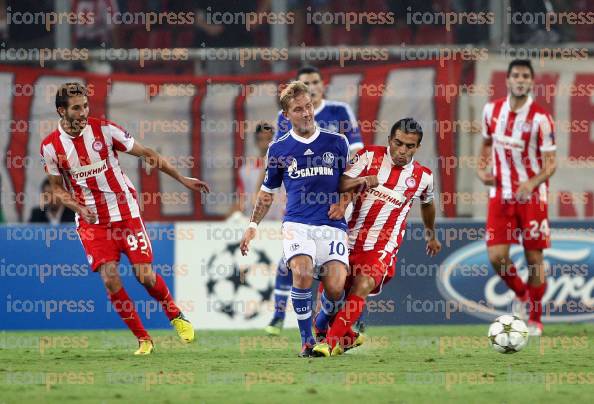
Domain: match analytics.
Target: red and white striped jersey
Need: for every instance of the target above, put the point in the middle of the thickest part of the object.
(378, 221)
(519, 138)
(90, 168)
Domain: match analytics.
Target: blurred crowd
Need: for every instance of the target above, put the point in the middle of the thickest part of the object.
(312, 23)
(308, 26)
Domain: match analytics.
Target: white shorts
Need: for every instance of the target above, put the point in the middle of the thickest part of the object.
(322, 243)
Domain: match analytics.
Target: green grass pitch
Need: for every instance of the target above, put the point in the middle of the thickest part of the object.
(404, 364)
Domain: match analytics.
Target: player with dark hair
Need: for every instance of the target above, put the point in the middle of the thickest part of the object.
(81, 161)
(519, 143)
(386, 180)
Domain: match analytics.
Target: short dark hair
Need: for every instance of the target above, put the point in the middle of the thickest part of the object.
(407, 125)
(521, 63)
(307, 70)
(263, 126)
(67, 90)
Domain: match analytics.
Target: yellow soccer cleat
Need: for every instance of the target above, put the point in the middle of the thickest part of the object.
(321, 350)
(184, 328)
(360, 340)
(145, 347)
(337, 350)
(274, 328)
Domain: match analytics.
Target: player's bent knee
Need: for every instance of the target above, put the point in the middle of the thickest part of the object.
(301, 266)
(145, 275)
(113, 284)
(334, 291)
(363, 286)
(302, 270)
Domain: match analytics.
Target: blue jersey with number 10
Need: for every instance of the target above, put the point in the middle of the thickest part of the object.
(310, 169)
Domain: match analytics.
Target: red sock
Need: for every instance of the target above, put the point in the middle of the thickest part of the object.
(514, 282)
(125, 308)
(535, 293)
(345, 318)
(160, 292)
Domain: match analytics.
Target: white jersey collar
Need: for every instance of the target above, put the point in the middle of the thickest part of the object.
(309, 140)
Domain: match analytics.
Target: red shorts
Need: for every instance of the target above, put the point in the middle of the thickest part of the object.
(508, 221)
(105, 242)
(377, 264)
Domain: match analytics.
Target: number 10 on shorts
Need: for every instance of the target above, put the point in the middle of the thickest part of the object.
(340, 248)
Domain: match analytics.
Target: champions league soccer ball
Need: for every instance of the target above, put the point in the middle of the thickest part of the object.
(508, 334)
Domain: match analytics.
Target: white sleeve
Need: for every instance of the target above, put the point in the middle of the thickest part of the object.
(546, 134)
(487, 112)
(428, 195)
(121, 139)
(359, 163)
(49, 160)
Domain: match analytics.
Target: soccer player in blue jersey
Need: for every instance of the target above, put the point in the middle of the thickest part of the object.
(334, 116)
(309, 162)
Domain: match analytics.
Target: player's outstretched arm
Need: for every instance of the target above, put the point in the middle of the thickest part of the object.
(359, 184)
(484, 160)
(64, 197)
(263, 203)
(428, 215)
(154, 159)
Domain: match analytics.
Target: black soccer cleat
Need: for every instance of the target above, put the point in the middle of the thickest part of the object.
(306, 351)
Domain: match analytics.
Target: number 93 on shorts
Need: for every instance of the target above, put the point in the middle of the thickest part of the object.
(322, 243)
(106, 242)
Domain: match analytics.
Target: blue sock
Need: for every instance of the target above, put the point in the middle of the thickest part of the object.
(329, 309)
(282, 289)
(301, 299)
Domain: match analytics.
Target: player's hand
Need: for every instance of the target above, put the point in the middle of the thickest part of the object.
(371, 181)
(336, 211)
(486, 177)
(524, 190)
(195, 184)
(87, 214)
(433, 247)
(248, 236)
